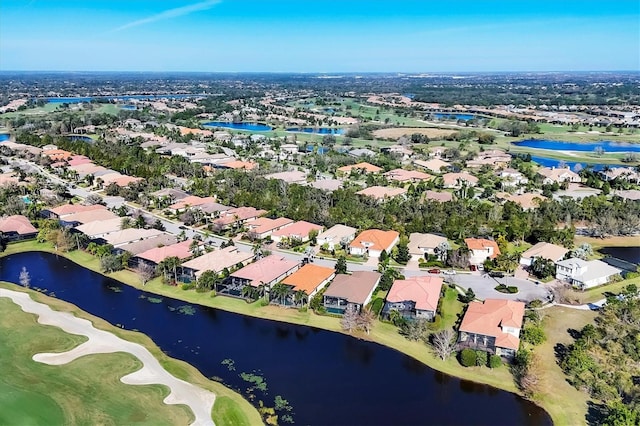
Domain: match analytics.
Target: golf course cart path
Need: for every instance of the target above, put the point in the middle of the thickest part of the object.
(199, 400)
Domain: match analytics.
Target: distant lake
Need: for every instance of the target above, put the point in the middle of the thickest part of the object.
(317, 130)
(250, 126)
(80, 138)
(553, 162)
(608, 146)
(78, 99)
(445, 116)
(630, 254)
(4, 137)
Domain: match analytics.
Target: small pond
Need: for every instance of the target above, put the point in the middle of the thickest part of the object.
(80, 138)
(630, 254)
(452, 116)
(4, 137)
(250, 126)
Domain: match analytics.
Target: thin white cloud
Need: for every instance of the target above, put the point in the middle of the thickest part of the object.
(170, 14)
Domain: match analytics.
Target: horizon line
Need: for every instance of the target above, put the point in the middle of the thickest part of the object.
(636, 71)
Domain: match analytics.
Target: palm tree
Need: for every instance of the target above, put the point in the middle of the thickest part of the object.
(300, 297)
(282, 292)
(249, 291)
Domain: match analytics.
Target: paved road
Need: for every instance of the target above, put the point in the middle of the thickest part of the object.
(484, 287)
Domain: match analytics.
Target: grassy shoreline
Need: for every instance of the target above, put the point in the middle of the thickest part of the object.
(382, 333)
(230, 407)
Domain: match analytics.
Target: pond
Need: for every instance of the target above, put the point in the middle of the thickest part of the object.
(253, 127)
(607, 146)
(630, 254)
(328, 378)
(4, 137)
(317, 130)
(573, 165)
(80, 138)
(452, 116)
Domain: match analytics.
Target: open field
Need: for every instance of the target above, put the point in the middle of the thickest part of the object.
(234, 409)
(396, 132)
(566, 404)
(598, 243)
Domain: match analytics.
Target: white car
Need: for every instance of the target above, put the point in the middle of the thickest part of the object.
(449, 272)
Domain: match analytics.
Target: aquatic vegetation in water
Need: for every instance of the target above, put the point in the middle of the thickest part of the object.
(115, 289)
(229, 363)
(154, 299)
(184, 309)
(257, 380)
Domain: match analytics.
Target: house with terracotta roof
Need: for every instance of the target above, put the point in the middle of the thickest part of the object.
(373, 241)
(493, 326)
(263, 227)
(355, 290)
(360, 167)
(559, 175)
(337, 235)
(190, 201)
(441, 197)
(421, 245)
(381, 193)
(481, 250)
(298, 231)
(216, 261)
(310, 279)
(16, 227)
(263, 273)
(414, 298)
(236, 217)
(69, 209)
(543, 250)
(137, 247)
(154, 256)
(57, 154)
(293, 176)
(528, 200)
(238, 165)
(407, 176)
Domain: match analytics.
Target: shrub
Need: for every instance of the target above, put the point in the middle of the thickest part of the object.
(187, 286)
(512, 289)
(468, 357)
(436, 324)
(534, 334)
(377, 305)
(481, 358)
(535, 303)
(495, 361)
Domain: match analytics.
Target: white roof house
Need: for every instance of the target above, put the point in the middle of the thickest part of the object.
(585, 274)
(336, 235)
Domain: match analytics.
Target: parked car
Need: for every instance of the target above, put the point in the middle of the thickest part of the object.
(449, 272)
(496, 274)
(434, 271)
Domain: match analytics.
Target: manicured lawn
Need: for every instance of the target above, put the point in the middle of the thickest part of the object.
(450, 308)
(235, 408)
(566, 404)
(85, 391)
(598, 293)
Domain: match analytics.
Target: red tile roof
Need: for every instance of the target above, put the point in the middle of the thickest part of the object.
(381, 240)
(266, 269)
(158, 254)
(424, 291)
(18, 224)
(309, 277)
(487, 318)
(482, 244)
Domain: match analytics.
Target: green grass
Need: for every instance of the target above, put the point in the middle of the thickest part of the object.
(450, 308)
(85, 391)
(234, 407)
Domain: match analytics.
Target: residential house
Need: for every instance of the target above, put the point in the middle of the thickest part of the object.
(293, 176)
(361, 152)
(400, 150)
(441, 197)
(511, 178)
(264, 272)
(263, 227)
(381, 193)
(421, 245)
(361, 167)
(190, 201)
(69, 209)
(493, 158)
(154, 256)
(543, 250)
(414, 298)
(236, 217)
(558, 175)
(585, 274)
(297, 231)
(621, 173)
(407, 176)
(216, 261)
(373, 241)
(493, 326)
(481, 250)
(528, 200)
(100, 228)
(238, 165)
(327, 184)
(435, 165)
(130, 235)
(310, 278)
(16, 227)
(457, 180)
(355, 290)
(87, 216)
(137, 247)
(336, 236)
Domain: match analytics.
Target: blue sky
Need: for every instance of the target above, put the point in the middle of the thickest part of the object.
(320, 35)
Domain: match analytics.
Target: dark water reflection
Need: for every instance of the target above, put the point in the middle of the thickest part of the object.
(328, 378)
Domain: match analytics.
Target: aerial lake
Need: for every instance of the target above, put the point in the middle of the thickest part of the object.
(328, 378)
(317, 130)
(608, 146)
(630, 254)
(253, 127)
(573, 165)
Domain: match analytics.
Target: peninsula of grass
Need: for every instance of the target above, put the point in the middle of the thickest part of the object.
(383, 333)
(88, 390)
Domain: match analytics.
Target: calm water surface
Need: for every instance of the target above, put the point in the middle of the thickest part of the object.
(630, 254)
(254, 127)
(608, 146)
(328, 378)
